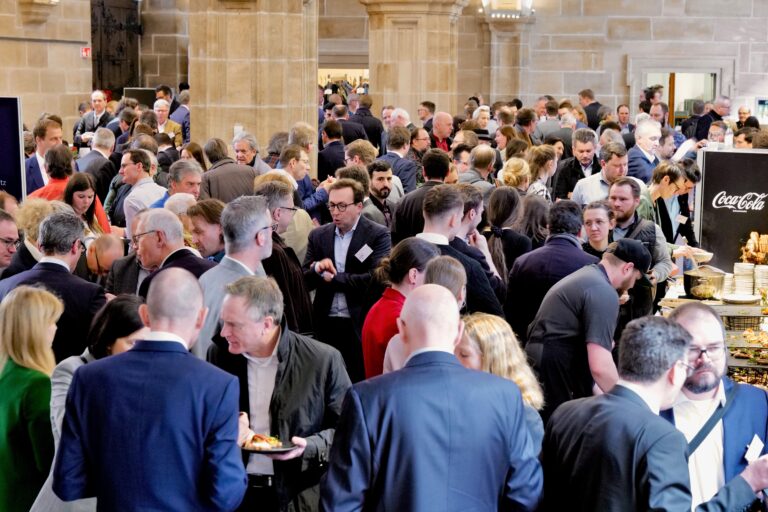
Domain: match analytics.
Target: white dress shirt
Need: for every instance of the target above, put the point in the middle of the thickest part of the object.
(261, 383)
(706, 463)
(339, 307)
(41, 163)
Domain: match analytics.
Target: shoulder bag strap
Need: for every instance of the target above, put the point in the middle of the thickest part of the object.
(712, 421)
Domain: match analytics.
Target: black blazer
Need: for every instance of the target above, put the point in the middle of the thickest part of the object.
(480, 295)
(408, 219)
(611, 452)
(330, 159)
(123, 275)
(353, 282)
(183, 258)
(352, 131)
(102, 172)
(372, 125)
(568, 174)
(82, 299)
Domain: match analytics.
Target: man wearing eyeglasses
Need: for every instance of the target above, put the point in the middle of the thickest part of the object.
(720, 457)
(614, 452)
(339, 261)
(9, 239)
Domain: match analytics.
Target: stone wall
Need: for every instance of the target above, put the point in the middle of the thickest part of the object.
(40, 57)
(342, 34)
(164, 45)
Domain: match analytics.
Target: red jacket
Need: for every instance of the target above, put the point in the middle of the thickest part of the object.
(379, 327)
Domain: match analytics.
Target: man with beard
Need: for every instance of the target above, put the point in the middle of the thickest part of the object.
(381, 176)
(719, 457)
(571, 337)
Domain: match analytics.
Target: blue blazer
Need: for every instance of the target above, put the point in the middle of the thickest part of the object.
(154, 428)
(34, 174)
(181, 116)
(745, 418)
(433, 436)
(639, 166)
(404, 168)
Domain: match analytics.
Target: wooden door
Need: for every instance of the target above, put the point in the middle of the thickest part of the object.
(115, 31)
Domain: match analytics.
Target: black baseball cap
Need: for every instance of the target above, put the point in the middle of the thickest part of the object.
(631, 251)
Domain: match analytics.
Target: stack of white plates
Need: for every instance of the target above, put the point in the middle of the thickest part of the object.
(728, 284)
(761, 277)
(744, 278)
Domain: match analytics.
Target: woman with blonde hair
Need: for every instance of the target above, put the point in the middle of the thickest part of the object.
(28, 319)
(516, 174)
(488, 344)
(543, 163)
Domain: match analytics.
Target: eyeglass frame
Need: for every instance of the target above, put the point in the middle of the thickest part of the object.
(341, 207)
(707, 350)
(135, 238)
(8, 243)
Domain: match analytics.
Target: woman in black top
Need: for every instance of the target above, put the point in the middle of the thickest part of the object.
(599, 220)
(505, 243)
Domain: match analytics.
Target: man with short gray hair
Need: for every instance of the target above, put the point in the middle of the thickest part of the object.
(247, 152)
(93, 120)
(291, 387)
(481, 162)
(247, 228)
(642, 156)
(160, 243)
(643, 458)
(720, 109)
(165, 125)
(583, 163)
(226, 179)
(98, 163)
(183, 176)
(60, 239)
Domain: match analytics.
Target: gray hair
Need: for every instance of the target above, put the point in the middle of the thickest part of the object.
(646, 128)
(401, 112)
(58, 232)
(274, 192)
(183, 97)
(161, 103)
(104, 138)
(649, 347)
(641, 117)
(262, 295)
(277, 142)
(241, 220)
(584, 135)
(181, 168)
(612, 135)
(567, 120)
(159, 219)
(247, 137)
(481, 108)
(179, 202)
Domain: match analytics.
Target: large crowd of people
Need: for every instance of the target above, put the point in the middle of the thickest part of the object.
(454, 315)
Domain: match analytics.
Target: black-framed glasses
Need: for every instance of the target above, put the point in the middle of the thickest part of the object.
(273, 227)
(713, 351)
(688, 368)
(342, 207)
(9, 242)
(135, 238)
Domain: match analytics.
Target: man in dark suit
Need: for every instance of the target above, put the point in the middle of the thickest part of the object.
(61, 242)
(426, 112)
(434, 435)
(372, 125)
(125, 275)
(398, 144)
(587, 101)
(642, 156)
(93, 120)
(720, 456)
(302, 405)
(331, 157)
(641, 458)
(181, 115)
(98, 164)
(538, 271)
(408, 219)
(171, 423)
(583, 163)
(351, 131)
(339, 261)
(163, 92)
(47, 133)
(443, 210)
(159, 243)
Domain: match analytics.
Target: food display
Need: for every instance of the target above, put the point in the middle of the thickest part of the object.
(261, 442)
(754, 376)
(756, 249)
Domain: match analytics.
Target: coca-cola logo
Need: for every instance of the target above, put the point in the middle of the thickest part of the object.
(743, 203)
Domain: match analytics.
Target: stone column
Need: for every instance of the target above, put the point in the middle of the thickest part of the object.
(413, 48)
(252, 63)
(510, 57)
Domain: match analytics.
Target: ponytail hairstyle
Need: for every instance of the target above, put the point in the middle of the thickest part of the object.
(503, 212)
(409, 253)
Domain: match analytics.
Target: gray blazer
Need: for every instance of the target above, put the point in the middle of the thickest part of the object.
(214, 283)
(47, 501)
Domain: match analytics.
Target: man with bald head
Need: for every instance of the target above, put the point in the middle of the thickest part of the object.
(171, 423)
(442, 127)
(434, 435)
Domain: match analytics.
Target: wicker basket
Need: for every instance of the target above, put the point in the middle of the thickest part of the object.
(740, 323)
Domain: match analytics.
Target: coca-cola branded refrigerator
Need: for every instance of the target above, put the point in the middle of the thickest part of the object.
(12, 148)
(731, 201)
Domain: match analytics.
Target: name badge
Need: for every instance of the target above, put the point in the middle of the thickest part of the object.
(681, 219)
(754, 449)
(363, 253)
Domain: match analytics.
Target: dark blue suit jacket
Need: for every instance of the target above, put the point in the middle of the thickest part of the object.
(404, 168)
(81, 298)
(331, 158)
(432, 436)
(639, 166)
(745, 418)
(181, 116)
(183, 258)
(34, 174)
(166, 440)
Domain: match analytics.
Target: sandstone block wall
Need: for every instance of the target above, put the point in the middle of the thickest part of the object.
(40, 57)
(164, 44)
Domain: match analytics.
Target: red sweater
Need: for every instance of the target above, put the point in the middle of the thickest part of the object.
(379, 327)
